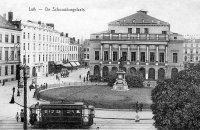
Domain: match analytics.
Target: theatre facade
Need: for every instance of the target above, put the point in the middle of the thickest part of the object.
(145, 44)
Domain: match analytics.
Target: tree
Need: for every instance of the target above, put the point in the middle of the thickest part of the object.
(176, 104)
(111, 78)
(134, 81)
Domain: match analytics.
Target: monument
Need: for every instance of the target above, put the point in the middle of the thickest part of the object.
(120, 83)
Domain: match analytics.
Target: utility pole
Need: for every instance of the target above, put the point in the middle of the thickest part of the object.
(25, 97)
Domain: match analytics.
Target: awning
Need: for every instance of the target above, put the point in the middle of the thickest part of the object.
(58, 63)
(78, 64)
(67, 65)
(73, 64)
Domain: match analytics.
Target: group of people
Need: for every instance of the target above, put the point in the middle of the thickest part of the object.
(20, 116)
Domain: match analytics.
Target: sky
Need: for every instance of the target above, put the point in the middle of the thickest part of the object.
(183, 15)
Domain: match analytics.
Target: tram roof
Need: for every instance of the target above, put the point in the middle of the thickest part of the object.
(61, 106)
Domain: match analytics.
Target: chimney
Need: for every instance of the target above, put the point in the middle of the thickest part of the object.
(66, 34)
(4, 15)
(78, 41)
(61, 34)
(10, 16)
(142, 11)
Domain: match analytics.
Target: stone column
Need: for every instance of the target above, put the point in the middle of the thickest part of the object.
(147, 74)
(101, 56)
(166, 55)
(147, 55)
(119, 51)
(138, 54)
(110, 53)
(128, 55)
(156, 74)
(156, 54)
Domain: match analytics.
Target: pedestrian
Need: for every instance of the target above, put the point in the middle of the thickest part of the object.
(13, 90)
(3, 83)
(22, 115)
(84, 79)
(46, 85)
(17, 117)
(137, 118)
(80, 76)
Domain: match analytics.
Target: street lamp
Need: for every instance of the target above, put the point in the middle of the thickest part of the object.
(12, 101)
(25, 69)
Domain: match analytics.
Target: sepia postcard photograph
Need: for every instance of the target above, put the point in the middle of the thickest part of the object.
(100, 64)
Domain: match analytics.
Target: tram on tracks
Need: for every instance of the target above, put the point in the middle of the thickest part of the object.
(77, 115)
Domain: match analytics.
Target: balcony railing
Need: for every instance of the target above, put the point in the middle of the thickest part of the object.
(133, 37)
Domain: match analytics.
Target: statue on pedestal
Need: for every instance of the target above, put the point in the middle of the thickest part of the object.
(121, 63)
(120, 83)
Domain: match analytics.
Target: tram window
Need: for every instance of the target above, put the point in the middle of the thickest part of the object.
(78, 111)
(85, 111)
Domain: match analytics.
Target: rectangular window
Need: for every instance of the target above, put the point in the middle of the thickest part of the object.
(24, 59)
(161, 57)
(6, 70)
(112, 31)
(96, 55)
(6, 55)
(12, 38)
(142, 56)
(33, 58)
(88, 56)
(18, 39)
(28, 58)
(105, 55)
(114, 55)
(28, 46)
(175, 57)
(24, 35)
(146, 30)
(152, 57)
(0, 37)
(138, 30)
(24, 46)
(0, 53)
(6, 38)
(18, 55)
(133, 56)
(12, 69)
(124, 56)
(46, 57)
(129, 30)
(12, 55)
(34, 46)
(164, 32)
(84, 56)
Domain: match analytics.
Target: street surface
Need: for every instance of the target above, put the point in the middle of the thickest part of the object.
(124, 118)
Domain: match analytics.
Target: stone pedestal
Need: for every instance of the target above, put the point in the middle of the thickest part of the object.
(120, 83)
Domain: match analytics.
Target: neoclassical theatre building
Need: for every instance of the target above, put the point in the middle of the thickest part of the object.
(145, 43)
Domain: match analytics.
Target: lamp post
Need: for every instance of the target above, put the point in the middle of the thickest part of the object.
(12, 101)
(25, 68)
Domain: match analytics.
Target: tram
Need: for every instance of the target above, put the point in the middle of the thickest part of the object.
(76, 115)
